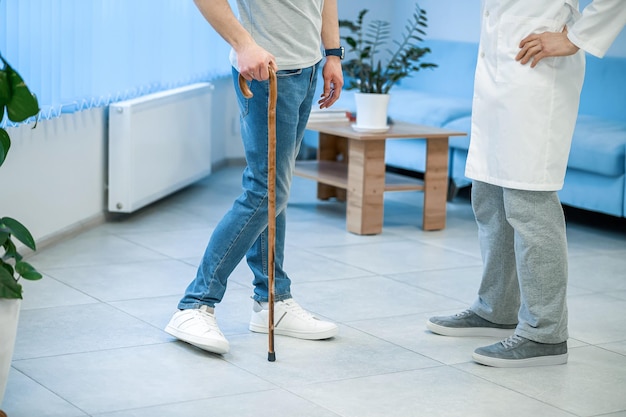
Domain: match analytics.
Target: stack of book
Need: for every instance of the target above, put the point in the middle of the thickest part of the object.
(329, 115)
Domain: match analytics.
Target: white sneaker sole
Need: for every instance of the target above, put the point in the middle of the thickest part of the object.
(520, 363)
(214, 346)
(469, 331)
(325, 334)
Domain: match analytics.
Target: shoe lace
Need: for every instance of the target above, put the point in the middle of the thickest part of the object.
(463, 314)
(207, 319)
(511, 341)
(294, 308)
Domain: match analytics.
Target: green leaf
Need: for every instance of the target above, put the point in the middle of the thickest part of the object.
(9, 287)
(23, 103)
(5, 90)
(27, 271)
(20, 232)
(10, 251)
(4, 236)
(7, 267)
(5, 144)
(350, 41)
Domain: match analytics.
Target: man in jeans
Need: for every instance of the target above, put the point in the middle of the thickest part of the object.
(288, 36)
(527, 88)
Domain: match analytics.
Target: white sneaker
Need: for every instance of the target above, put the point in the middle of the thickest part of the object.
(291, 320)
(197, 326)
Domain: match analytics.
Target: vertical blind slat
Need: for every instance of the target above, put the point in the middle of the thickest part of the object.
(76, 54)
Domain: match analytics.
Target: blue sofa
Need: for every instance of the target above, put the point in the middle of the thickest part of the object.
(596, 174)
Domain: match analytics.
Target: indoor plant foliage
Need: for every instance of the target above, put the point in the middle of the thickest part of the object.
(20, 105)
(367, 71)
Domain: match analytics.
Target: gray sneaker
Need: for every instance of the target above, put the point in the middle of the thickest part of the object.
(468, 323)
(519, 352)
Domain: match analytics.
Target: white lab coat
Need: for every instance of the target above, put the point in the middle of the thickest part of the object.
(523, 118)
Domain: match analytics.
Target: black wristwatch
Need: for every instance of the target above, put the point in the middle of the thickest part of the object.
(340, 52)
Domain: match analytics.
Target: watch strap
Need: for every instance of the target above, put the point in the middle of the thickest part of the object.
(340, 52)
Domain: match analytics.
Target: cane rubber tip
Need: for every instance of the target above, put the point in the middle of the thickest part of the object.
(271, 356)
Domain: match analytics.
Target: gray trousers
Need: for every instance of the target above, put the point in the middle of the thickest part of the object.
(524, 251)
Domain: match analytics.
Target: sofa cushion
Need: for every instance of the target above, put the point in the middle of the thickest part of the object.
(425, 108)
(599, 146)
(416, 107)
(604, 90)
(409, 154)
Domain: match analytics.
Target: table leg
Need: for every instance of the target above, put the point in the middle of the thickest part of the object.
(366, 186)
(331, 148)
(435, 184)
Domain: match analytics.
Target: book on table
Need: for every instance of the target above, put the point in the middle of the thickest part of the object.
(329, 115)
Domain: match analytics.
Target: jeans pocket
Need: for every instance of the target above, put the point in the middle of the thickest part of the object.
(241, 100)
(288, 73)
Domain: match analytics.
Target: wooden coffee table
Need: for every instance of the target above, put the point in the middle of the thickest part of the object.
(350, 166)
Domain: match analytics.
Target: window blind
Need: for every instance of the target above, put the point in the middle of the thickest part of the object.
(78, 54)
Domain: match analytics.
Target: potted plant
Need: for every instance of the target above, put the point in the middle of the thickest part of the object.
(20, 105)
(375, 67)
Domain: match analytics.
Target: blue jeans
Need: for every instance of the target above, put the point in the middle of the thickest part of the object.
(243, 230)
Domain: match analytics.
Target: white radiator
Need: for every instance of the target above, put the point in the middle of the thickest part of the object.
(158, 143)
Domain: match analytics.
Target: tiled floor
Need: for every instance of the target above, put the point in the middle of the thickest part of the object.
(90, 340)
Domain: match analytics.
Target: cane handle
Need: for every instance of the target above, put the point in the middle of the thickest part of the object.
(244, 87)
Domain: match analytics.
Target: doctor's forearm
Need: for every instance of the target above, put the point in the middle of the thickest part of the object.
(601, 22)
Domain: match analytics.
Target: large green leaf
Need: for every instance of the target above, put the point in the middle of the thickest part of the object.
(5, 144)
(9, 287)
(5, 90)
(27, 271)
(23, 103)
(4, 236)
(20, 232)
(7, 267)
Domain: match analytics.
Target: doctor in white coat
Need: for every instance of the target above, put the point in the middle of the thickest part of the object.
(527, 88)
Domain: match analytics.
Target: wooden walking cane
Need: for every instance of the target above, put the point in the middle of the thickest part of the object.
(271, 196)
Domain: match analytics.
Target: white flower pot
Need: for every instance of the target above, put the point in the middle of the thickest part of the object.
(371, 110)
(9, 315)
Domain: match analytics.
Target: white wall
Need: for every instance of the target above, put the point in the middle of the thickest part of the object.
(53, 179)
(349, 9)
(454, 20)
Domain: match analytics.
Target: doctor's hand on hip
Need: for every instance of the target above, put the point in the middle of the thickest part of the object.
(537, 46)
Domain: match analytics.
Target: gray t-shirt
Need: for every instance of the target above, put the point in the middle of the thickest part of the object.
(288, 29)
